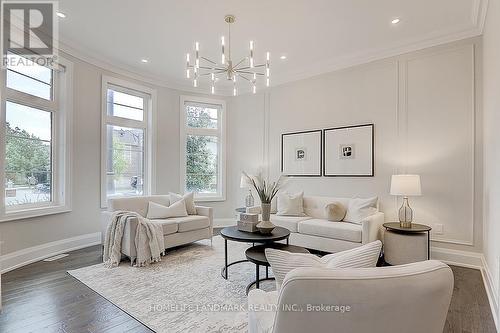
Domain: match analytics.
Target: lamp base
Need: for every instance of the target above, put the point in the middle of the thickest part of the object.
(249, 200)
(405, 214)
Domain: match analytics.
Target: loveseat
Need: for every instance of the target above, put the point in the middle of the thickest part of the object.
(314, 231)
(176, 231)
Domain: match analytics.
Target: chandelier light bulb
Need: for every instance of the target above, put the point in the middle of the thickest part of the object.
(213, 76)
(197, 46)
(187, 58)
(254, 89)
(267, 56)
(213, 90)
(187, 73)
(195, 83)
(234, 91)
(254, 77)
(223, 57)
(267, 82)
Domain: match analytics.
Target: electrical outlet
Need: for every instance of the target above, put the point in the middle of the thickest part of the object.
(438, 229)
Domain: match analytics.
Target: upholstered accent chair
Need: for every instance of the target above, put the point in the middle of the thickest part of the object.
(412, 298)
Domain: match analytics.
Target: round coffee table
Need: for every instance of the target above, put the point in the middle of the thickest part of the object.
(233, 234)
(257, 255)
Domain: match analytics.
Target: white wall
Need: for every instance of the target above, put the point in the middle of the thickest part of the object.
(424, 110)
(491, 107)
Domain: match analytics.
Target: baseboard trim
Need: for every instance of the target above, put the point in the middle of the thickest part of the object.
(471, 260)
(224, 222)
(491, 290)
(11, 261)
(458, 258)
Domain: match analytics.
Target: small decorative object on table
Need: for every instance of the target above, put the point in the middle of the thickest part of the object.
(405, 185)
(266, 191)
(248, 222)
(245, 183)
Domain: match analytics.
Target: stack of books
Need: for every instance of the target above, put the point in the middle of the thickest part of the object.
(248, 222)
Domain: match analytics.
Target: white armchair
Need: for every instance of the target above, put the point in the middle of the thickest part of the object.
(411, 298)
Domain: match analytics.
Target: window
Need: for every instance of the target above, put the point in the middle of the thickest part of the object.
(126, 139)
(203, 148)
(36, 142)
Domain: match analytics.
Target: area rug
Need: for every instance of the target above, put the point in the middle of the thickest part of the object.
(184, 292)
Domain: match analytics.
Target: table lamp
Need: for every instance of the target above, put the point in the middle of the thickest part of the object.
(405, 185)
(245, 183)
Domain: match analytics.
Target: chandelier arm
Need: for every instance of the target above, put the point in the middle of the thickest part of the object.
(239, 63)
(244, 77)
(210, 61)
(213, 68)
(247, 72)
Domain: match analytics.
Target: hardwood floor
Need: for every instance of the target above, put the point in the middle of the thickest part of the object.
(42, 297)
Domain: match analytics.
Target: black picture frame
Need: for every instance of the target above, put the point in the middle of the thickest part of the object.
(372, 174)
(321, 151)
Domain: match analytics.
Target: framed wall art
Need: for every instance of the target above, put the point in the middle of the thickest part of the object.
(348, 151)
(301, 154)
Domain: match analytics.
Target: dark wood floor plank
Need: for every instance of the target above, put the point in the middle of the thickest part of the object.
(42, 297)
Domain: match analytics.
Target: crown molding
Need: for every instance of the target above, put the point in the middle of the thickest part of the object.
(478, 18)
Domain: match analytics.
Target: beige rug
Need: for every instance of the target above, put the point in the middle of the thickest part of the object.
(184, 292)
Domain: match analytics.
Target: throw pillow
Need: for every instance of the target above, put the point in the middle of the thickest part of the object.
(291, 204)
(188, 199)
(335, 212)
(283, 262)
(360, 209)
(157, 211)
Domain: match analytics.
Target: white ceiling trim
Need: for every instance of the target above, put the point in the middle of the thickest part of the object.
(478, 17)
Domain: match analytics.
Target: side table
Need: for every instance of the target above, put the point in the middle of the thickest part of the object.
(404, 245)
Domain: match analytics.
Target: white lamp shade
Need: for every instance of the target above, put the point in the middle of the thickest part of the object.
(244, 181)
(406, 185)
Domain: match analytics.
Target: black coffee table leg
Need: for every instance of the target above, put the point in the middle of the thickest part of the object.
(225, 259)
(257, 276)
(267, 272)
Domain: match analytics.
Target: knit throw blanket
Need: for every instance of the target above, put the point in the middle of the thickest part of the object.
(149, 242)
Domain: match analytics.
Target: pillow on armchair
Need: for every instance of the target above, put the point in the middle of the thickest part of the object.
(283, 262)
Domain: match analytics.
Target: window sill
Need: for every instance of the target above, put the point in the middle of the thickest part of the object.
(209, 199)
(33, 212)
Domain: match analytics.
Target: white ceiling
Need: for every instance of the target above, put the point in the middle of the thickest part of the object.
(317, 36)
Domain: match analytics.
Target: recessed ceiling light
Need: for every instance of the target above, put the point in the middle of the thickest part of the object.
(283, 57)
(61, 15)
(144, 61)
(395, 21)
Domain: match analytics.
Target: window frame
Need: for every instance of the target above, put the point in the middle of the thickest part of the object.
(61, 109)
(148, 124)
(220, 133)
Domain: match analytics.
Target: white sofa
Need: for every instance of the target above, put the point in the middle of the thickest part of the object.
(314, 231)
(176, 231)
(411, 298)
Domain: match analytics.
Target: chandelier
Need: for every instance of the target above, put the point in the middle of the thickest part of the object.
(245, 70)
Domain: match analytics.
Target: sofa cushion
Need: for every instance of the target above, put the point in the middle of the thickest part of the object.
(335, 212)
(339, 230)
(289, 222)
(191, 222)
(138, 204)
(176, 209)
(315, 206)
(169, 227)
(291, 204)
(359, 209)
